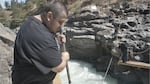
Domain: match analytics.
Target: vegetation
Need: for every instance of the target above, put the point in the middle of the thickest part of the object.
(15, 12)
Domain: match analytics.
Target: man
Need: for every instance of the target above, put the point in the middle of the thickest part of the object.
(124, 51)
(37, 57)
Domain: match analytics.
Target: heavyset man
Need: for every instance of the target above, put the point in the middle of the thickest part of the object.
(37, 56)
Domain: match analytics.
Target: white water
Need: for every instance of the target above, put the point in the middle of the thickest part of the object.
(84, 73)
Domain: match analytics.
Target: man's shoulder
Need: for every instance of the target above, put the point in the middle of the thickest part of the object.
(35, 31)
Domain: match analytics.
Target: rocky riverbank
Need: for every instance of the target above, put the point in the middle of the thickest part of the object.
(95, 33)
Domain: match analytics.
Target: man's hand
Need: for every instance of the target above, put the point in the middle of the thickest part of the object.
(62, 65)
(65, 56)
(61, 38)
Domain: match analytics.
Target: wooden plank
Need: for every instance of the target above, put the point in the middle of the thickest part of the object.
(135, 64)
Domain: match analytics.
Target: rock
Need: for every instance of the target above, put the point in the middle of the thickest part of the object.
(107, 34)
(90, 8)
(7, 38)
(132, 24)
(78, 45)
(99, 21)
(7, 35)
(128, 24)
(6, 61)
(77, 32)
(83, 17)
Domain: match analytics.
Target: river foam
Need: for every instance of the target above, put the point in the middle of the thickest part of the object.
(84, 73)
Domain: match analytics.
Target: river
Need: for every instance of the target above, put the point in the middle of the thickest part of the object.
(84, 73)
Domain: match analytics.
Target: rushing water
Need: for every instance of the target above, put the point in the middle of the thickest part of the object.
(84, 73)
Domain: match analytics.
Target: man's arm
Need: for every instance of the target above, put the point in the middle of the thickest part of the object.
(62, 65)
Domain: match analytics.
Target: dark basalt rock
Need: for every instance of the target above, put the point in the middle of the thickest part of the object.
(128, 25)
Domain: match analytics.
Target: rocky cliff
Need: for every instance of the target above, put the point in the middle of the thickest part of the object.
(96, 33)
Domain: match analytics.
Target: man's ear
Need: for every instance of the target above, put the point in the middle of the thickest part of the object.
(49, 16)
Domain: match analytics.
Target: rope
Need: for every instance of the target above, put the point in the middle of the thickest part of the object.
(108, 68)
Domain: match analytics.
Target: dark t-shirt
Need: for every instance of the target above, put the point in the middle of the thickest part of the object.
(35, 53)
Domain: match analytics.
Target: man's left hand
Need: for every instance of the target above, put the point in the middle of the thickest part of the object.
(61, 38)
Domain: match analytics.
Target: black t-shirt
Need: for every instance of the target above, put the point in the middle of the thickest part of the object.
(36, 51)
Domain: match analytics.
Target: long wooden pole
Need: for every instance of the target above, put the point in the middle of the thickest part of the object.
(67, 67)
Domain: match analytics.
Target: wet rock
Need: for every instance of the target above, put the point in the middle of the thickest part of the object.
(128, 24)
(78, 45)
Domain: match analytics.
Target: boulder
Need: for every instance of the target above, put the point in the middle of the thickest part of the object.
(7, 38)
(7, 35)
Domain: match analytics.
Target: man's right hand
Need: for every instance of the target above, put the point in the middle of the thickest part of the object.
(62, 65)
(65, 56)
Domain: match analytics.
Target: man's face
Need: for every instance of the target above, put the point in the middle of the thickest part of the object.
(55, 24)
